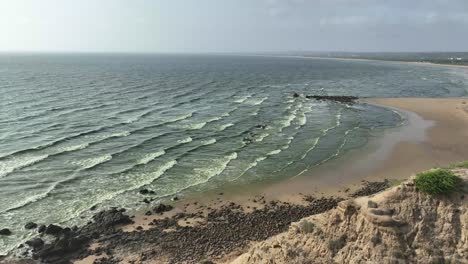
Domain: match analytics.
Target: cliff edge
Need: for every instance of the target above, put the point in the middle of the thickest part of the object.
(399, 225)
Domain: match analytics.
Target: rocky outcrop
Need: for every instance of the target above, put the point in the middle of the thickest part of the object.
(400, 225)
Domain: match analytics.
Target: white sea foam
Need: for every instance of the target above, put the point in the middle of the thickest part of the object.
(208, 142)
(185, 140)
(261, 137)
(250, 166)
(93, 162)
(73, 148)
(195, 126)
(217, 167)
(274, 152)
(15, 163)
(286, 146)
(31, 199)
(312, 147)
(119, 134)
(150, 157)
(223, 127)
(139, 180)
(242, 99)
(337, 123)
(179, 118)
(257, 101)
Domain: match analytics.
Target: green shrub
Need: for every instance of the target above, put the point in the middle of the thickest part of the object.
(306, 226)
(438, 181)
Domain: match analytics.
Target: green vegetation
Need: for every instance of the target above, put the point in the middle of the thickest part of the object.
(306, 227)
(438, 181)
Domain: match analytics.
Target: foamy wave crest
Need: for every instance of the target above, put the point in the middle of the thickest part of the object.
(151, 157)
(179, 118)
(208, 142)
(287, 122)
(337, 123)
(223, 127)
(15, 163)
(118, 134)
(302, 119)
(196, 126)
(218, 166)
(257, 101)
(250, 166)
(185, 140)
(312, 147)
(242, 99)
(73, 148)
(274, 152)
(93, 162)
(261, 137)
(340, 148)
(31, 199)
(288, 143)
(139, 180)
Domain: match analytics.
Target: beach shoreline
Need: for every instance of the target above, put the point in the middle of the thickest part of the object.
(433, 135)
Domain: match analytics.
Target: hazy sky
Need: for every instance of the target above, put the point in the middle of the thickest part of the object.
(233, 25)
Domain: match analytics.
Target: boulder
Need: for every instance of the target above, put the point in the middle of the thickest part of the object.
(161, 208)
(5, 232)
(35, 243)
(30, 225)
(54, 230)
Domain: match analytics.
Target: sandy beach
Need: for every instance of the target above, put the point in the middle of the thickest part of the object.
(433, 134)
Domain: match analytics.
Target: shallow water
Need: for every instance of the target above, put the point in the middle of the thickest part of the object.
(84, 130)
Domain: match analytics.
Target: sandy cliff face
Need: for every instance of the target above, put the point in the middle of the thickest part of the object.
(399, 225)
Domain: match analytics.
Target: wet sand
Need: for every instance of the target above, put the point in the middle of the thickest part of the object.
(435, 134)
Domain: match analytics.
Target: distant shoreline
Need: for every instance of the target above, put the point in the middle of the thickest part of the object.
(361, 59)
(395, 61)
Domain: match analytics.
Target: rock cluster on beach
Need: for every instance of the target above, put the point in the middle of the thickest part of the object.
(224, 230)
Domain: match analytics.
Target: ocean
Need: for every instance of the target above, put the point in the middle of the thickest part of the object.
(84, 130)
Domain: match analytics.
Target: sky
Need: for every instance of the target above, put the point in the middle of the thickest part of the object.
(198, 26)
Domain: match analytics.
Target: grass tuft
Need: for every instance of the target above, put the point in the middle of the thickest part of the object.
(438, 181)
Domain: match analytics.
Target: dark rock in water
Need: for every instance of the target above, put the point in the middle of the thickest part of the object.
(54, 230)
(261, 126)
(30, 225)
(144, 191)
(41, 229)
(295, 95)
(5, 232)
(161, 208)
(72, 243)
(105, 220)
(341, 99)
(146, 201)
(94, 207)
(175, 198)
(35, 243)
